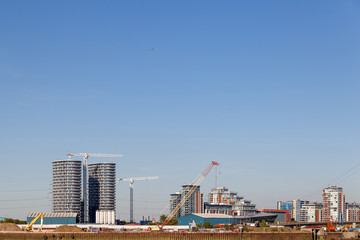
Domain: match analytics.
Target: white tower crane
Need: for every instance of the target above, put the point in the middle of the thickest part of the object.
(132, 180)
(85, 178)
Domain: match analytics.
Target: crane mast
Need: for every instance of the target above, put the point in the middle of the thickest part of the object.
(132, 180)
(85, 177)
(196, 183)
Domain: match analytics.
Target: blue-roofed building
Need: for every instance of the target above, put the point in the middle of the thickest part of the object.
(201, 218)
(2, 219)
(213, 219)
(54, 218)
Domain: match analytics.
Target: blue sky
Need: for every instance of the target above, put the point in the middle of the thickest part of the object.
(270, 89)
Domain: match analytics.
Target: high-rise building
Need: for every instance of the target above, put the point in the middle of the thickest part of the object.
(101, 189)
(195, 203)
(66, 186)
(311, 212)
(175, 199)
(335, 202)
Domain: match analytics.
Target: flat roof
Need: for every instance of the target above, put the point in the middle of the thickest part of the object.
(212, 215)
(34, 214)
(68, 160)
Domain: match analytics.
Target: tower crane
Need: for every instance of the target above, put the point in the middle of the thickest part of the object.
(132, 180)
(194, 185)
(85, 179)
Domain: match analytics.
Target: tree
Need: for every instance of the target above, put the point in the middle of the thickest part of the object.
(207, 225)
(162, 218)
(172, 221)
(263, 223)
(16, 221)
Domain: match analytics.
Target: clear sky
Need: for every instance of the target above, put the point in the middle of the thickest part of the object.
(270, 89)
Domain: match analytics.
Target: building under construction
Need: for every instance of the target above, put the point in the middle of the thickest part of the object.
(101, 189)
(66, 186)
(67, 193)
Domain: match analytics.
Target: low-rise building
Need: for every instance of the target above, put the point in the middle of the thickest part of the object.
(221, 196)
(214, 219)
(283, 216)
(217, 209)
(352, 212)
(55, 218)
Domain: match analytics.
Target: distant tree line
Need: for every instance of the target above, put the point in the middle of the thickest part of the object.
(10, 220)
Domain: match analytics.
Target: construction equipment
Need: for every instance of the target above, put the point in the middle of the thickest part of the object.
(29, 226)
(329, 224)
(85, 179)
(132, 180)
(194, 185)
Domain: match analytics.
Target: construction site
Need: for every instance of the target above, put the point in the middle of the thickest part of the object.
(83, 205)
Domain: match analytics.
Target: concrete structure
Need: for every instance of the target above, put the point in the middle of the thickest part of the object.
(224, 219)
(335, 202)
(352, 212)
(311, 212)
(221, 196)
(105, 217)
(54, 218)
(194, 204)
(101, 188)
(283, 216)
(66, 186)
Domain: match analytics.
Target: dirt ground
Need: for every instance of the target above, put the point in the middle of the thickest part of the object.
(65, 228)
(9, 227)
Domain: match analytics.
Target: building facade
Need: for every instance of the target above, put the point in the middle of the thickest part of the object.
(217, 209)
(311, 212)
(66, 186)
(335, 202)
(195, 203)
(221, 196)
(294, 206)
(283, 216)
(352, 212)
(54, 218)
(285, 205)
(297, 204)
(175, 199)
(102, 186)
